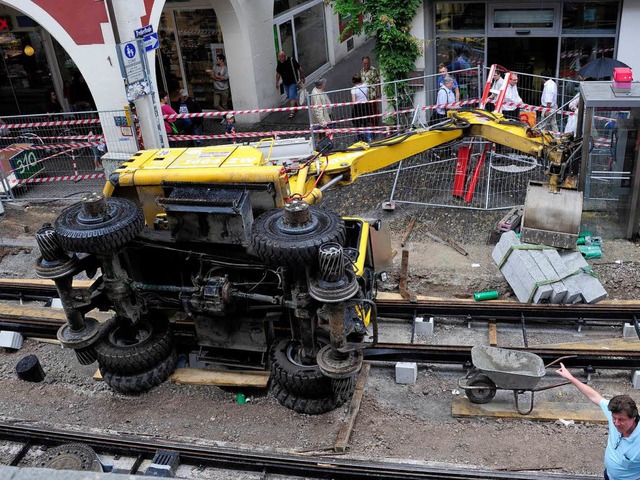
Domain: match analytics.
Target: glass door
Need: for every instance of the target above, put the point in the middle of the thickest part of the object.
(302, 33)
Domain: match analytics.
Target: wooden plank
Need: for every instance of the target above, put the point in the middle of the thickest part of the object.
(34, 314)
(40, 282)
(543, 411)
(354, 407)
(613, 344)
(218, 378)
(493, 333)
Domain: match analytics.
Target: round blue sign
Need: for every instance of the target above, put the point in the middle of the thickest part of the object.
(130, 50)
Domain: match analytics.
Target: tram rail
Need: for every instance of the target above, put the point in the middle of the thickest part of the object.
(267, 463)
(44, 322)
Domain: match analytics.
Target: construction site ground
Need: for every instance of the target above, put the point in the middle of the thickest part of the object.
(396, 422)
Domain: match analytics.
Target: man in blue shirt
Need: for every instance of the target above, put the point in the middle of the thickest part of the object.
(622, 455)
(443, 71)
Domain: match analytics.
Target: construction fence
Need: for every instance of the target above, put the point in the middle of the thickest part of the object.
(52, 156)
(58, 156)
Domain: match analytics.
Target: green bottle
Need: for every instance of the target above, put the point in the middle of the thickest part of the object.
(490, 295)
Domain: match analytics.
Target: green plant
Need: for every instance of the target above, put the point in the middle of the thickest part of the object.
(389, 23)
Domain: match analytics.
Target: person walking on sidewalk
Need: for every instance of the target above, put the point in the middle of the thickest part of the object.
(371, 76)
(188, 126)
(321, 114)
(512, 99)
(360, 111)
(445, 96)
(221, 90)
(169, 125)
(550, 100)
(622, 455)
(289, 70)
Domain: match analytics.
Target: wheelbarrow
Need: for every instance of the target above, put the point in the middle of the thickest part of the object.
(503, 369)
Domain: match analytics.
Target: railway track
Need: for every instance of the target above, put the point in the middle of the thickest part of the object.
(44, 322)
(266, 465)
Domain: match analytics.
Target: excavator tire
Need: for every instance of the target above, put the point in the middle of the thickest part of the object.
(123, 222)
(128, 349)
(296, 378)
(142, 381)
(297, 250)
(309, 406)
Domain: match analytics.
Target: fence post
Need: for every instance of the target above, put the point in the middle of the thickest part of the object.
(310, 117)
(397, 103)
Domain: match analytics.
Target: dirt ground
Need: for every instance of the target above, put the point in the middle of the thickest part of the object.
(396, 422)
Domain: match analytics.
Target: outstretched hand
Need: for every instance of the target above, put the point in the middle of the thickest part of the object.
(563, 372)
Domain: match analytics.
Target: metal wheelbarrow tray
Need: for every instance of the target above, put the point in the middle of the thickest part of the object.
(500, 368)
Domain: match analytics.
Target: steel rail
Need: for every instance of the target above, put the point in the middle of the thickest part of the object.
(35, 324)
(607, 312)
(300, 465)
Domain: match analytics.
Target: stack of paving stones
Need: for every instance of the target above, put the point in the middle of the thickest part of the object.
(542, 274)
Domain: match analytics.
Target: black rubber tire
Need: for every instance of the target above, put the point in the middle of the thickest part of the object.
(125, 221)
(296, 378)
(278, 248)
(483, 395)
(119, 352)
(309, 406)
(143, 381)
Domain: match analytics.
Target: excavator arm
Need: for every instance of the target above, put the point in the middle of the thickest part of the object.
(344, 167)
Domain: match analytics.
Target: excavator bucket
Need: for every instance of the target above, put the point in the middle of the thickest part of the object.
(551, 217)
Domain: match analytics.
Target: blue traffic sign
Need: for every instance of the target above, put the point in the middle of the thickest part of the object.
(151, 42)
(130, 50)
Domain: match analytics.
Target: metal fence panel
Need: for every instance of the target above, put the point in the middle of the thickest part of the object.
(52, 156)
(493, 177)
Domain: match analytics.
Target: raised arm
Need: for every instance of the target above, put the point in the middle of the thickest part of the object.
(585, 389)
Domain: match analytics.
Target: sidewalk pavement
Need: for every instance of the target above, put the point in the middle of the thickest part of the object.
(338, 77)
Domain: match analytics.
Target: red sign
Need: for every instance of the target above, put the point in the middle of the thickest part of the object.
(5, 23)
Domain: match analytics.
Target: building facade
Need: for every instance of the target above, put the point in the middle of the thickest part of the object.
(39, 57)
(71, 46)
(556, 37)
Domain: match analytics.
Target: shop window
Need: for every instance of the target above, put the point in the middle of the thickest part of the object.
(311, 38)
(462, 55)
(282, 6)
(578, 51)
(507, 18)
(189, 41)
(524, 19)
(601, 16)
(460, 16)
(25, 77)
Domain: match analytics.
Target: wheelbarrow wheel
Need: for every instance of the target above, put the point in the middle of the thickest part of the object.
(484, 389)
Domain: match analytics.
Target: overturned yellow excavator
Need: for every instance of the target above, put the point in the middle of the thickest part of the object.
(221, 251)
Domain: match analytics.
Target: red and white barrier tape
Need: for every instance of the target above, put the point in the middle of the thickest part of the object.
(57, 146)
(74, 137)
(63, 178)
(49, 124)
(259, 110)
